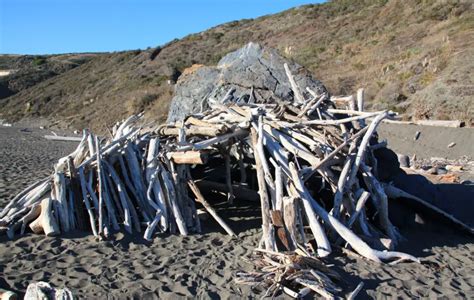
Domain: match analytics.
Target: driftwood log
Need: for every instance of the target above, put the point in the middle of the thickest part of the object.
(7, 295)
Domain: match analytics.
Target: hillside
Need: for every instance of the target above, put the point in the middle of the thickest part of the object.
(411, 56)
(19, 72)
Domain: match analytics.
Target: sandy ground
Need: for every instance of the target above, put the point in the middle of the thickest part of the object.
(432, 142)
(204, 265)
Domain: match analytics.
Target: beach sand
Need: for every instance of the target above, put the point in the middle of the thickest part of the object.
(199, 265)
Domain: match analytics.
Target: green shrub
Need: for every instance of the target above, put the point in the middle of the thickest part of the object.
(38, 61)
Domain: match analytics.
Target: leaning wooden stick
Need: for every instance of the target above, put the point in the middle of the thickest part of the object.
(209, 208)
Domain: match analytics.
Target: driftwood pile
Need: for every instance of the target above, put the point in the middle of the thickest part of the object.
(297, 274)
(312, 164)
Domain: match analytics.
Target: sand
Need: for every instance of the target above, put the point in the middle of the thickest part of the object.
(432, 142)
(199, 265)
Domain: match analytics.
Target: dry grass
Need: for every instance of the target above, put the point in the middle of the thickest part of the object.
(391, 48)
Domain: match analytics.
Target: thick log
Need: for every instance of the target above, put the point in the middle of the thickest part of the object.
(341, 184)
(262, 190)
(8, 295)
(46, 221)
(239, 133)
(290, 218)
(193, 130)
(264, 162)
(437, 123)
(60, 201)
(34, 213)
(152, 177)
(188, 157)
(360, 99)
(278, 187)
(63, 138)
(202, 123)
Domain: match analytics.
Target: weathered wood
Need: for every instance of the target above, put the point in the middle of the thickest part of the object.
(356, 243)
(171, 195)
(127, 210)
(200, 198)
(355, 292)
(74, 183)
(202, 123)
(188, 157)
(436, 123)
(338, 121)
(363, 147)
(60, 201)
(239, 133)
(262, 190)
(324, 247)
(63, 138)
(193, 130)
(100, 187)
(89, 208)
(294, 87)
(382, 203)
(152, 177)
(290, 217)
(46, 222)
(136, 178)
(360, 205)
(8, 295)
(331, 155)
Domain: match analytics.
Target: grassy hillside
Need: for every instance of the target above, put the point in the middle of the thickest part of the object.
(411, 56)
(19, 72)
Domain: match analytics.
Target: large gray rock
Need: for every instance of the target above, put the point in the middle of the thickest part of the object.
(239, 71)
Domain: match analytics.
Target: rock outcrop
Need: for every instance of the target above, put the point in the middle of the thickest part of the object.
(252, 73)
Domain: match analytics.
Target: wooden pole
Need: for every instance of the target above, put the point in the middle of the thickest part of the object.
(199, 197)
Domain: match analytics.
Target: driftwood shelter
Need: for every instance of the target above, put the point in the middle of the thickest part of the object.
(311, 160)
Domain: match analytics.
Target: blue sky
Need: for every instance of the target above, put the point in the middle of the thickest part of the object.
(63, 26)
